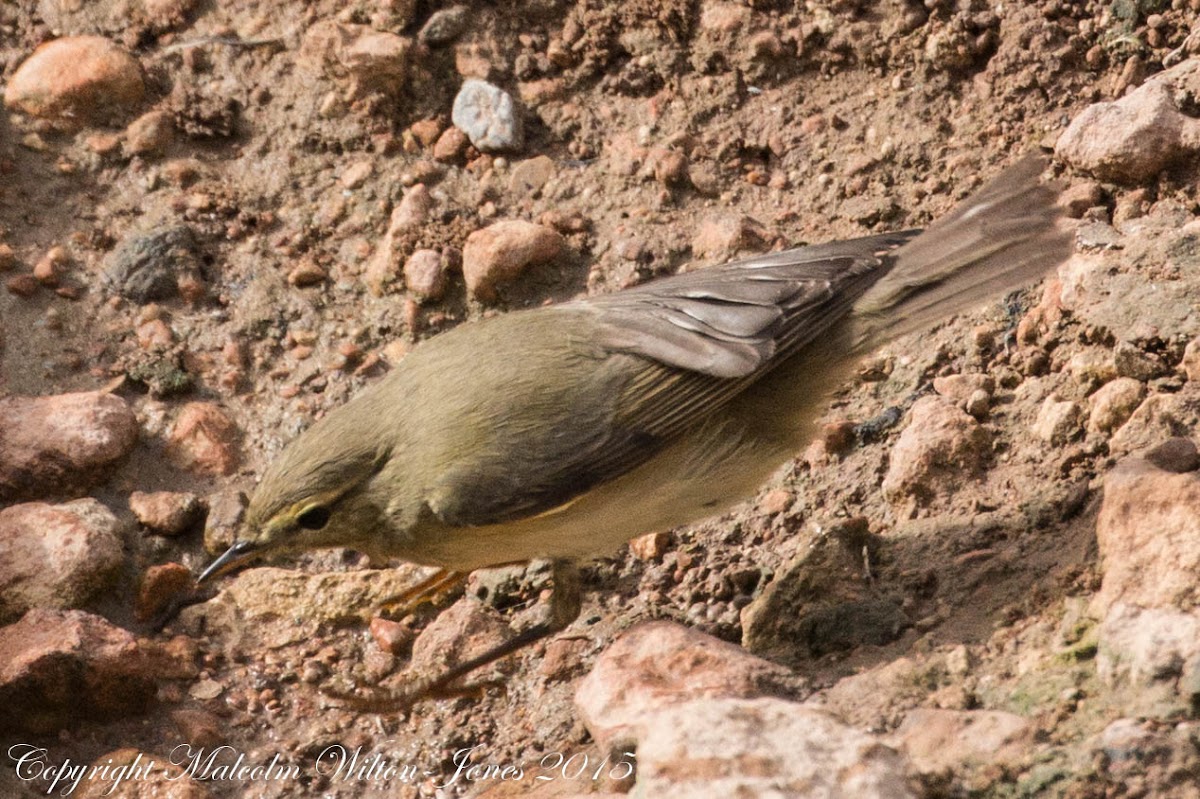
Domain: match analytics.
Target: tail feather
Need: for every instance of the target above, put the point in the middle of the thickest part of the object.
(1003, 237)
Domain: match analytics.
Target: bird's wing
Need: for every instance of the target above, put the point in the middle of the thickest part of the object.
(682, 346)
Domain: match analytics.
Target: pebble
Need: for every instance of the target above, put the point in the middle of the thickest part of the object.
(166, 513)
(499, 253)
(391, 636)
(1077, 199)
(940, 445)
(1177, 455)
(48, 268)
(374, 61)
(24, 285)
(205, 439)
(753, 747)
(226, 509)
(56, 556)
(1113, 404)
(1133, 139)
(356, 174)
(62, 442)
(1190, 364)
(154, 266)
(410, 213)
(721, 236)
(444, 26)
(530, 175)
(58, 666)
(1059, 421)
(84, 78)
(451, 145)
(941, 741)
(775, 501)
(464, 630)
(306, 274)
(8, 258)
(651, 546)
(426, 131)
(425, 275)
(150, 134)
(661, 664)
(161, 585)
(489, 117)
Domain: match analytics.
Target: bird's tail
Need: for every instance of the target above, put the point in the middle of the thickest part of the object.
(1001, 238)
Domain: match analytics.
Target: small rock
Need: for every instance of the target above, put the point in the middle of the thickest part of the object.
(425, 275)
(8, 258)
(763, 748)
(1130, 140)
(150, 134)
(1059, 421)
(1176, 455)
(161, 585)
(226, 510)
(410, 214)
(22, 285)
(451, 145)
(1080, 197)
(1191, 360)
(391, 636)
(356, 174)
(306, 274)
(500, 252)
(58, 443)
(426, 131)
(444, 26)
(199, 727)
(530, 175)
(978, 403)
(152, 266)
(56, 556)
(1131, 361)
(651, 546)
(660, 664)
(722, 236)
(374, 61)
(464, 630)
(489, 117)
(1146, 532)
(670, 167)
(940, 445)
(563, 658)
(48, 268)
(166, 512)
(205, 439)
(776, 501)
(77, 78)
(1113, 404)
(960, 387)
(938, 741)
(59, 666)
(1092, 366)
(1160, 417)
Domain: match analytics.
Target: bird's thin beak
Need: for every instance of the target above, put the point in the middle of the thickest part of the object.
(234, 558)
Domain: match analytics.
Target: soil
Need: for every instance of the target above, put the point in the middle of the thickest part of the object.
(818, 121)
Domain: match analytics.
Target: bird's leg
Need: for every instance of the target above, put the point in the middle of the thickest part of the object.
(432, 590)
(566, 599)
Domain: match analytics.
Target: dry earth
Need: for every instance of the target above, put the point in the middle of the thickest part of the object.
(228, 217)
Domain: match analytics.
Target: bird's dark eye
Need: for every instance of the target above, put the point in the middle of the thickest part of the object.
(313, 518)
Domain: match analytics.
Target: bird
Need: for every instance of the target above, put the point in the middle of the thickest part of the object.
(564, 431)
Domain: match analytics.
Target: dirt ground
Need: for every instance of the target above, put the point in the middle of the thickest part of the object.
(817, 121)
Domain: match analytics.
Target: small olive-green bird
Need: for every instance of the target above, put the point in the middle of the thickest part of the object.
(564, 431)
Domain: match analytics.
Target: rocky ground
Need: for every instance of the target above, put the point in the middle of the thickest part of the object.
(219, 220)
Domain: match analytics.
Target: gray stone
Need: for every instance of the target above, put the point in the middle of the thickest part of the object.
(489, 116)
(147, 267)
